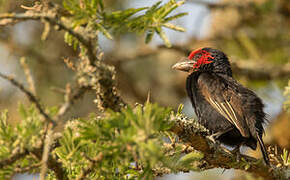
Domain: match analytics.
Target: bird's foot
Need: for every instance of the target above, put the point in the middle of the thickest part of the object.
(237, 153)
(212, 138)
(215, 143)
(216, 135)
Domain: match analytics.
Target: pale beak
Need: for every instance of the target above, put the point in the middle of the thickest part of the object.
(186, 66)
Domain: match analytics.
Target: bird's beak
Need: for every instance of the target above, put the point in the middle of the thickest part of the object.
(186, 66)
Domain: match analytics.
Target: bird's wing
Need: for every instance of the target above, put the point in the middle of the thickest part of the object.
(224, 99)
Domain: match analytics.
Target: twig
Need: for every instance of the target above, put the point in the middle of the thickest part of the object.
(70, 99)
(26, 169)
(252, 70)
(51, 162)
(30, 97)
(46, 150)
(13, 158)
(52, 19)
(28, 74)
(37, 151)
(106, 94)
(86, 171)
(89, 169)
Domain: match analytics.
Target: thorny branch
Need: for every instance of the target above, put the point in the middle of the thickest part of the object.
(13, 158)
(51, 162)
(106, 94)
(31, 98)
(70, 99)
(53, 20)
(26, 169)
(89, 169)
(37, 151)
(215, 156)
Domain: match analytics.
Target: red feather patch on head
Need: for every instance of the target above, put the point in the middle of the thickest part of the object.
(204, 58)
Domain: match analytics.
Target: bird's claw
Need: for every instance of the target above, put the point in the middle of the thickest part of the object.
(237, 153)
(211, 138)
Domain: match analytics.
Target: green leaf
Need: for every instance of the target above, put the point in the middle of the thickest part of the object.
(153, 8)
(22, 111)
(104, 31)
(190, 157)
(285, 157)
(170, 6)
(247, 166)
(122, 15)
(174, 17)
(174, 27)
(101, 4)
(180, 108)
(149, 36)
(163, 37)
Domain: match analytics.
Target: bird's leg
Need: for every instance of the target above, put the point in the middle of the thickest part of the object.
(236, 151)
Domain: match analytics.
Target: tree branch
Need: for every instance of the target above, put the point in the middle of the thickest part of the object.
(70, 99)
(53, 20)
(253, 70)
(106, 94)
(13, 158)
(30, 97)
(52, 163)
(215, 156)
(89, 169)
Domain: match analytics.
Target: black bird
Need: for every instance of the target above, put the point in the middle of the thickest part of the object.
(232, 113)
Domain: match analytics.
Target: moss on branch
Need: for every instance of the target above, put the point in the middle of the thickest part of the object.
(215, 156)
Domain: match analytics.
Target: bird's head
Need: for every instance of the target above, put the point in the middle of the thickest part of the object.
(205, 60)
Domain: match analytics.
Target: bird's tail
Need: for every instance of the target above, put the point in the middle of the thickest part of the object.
(263, 149)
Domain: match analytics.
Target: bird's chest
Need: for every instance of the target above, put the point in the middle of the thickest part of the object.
(206, 114)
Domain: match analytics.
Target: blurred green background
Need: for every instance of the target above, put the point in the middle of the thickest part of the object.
(255, 34)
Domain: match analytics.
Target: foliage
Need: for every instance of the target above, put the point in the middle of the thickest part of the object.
(121, 145)
(20, 138)
(92, 14)
(285, 157)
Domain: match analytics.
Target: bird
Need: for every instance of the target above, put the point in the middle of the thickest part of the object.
(232, 113)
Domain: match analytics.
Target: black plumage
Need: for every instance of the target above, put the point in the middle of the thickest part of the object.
(232, 113)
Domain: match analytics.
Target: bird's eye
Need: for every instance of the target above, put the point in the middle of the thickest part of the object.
(197, 56)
